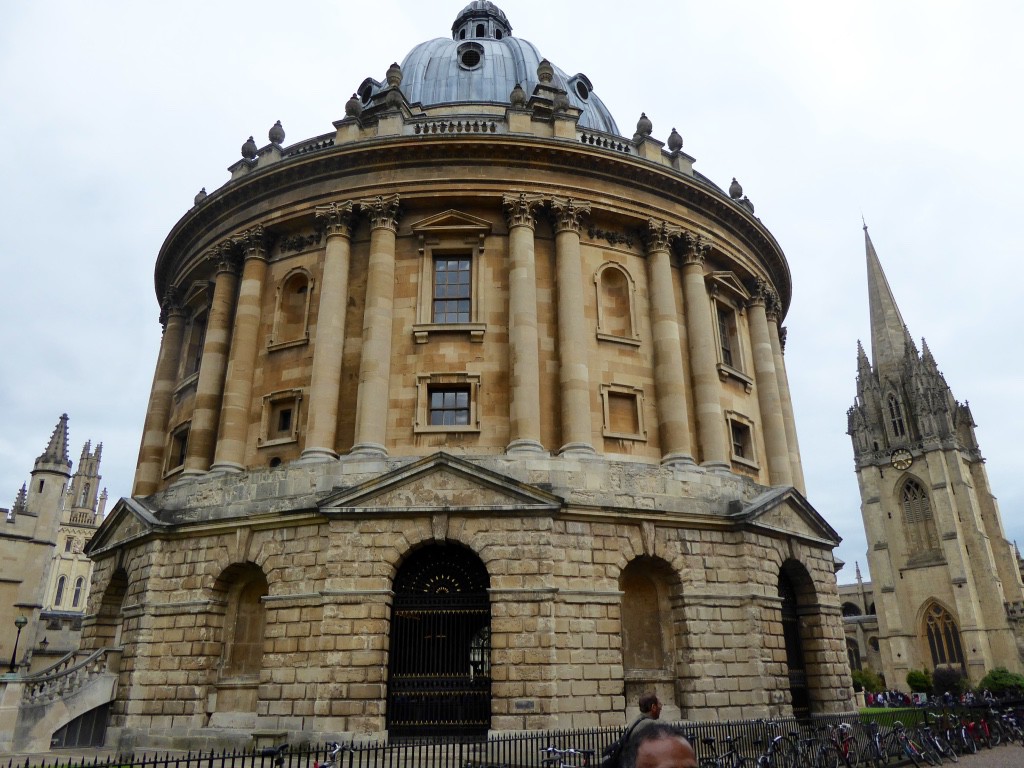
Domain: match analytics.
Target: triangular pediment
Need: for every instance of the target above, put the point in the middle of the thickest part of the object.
(785, 510)
(130, 519)
(728, 282)
(438, 483)
(451, 222)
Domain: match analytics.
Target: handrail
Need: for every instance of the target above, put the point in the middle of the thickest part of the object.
(66, 676)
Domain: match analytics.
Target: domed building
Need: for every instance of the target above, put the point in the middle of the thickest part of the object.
(469, 415)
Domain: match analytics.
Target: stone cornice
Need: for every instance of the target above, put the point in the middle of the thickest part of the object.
(230, 207)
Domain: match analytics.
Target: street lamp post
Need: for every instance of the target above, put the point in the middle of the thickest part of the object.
(20, 623)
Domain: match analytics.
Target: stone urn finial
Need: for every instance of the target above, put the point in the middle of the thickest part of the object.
(353, 107)
(276, 134)
(735, 190)
(675, 141)
(518, 97)
(644, 126)
(200, 196)
(394, 75)
(249, 149)
(545, 72)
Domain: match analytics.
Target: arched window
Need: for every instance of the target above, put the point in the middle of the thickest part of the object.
(943, 636)
(896, 417)
(479, 30)
(245, 620)
(61, 585)
(76, 598)
(853, 653)
(85, 496)
(290, 321)
(917, 519)
(850, 609)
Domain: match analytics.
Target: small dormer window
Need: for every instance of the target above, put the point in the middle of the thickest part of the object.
(480, 30)
(470, 55)
(497, 34)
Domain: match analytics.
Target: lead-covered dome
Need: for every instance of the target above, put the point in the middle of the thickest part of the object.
(482, 63)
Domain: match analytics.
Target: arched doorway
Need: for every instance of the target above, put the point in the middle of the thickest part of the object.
(439, 669)
(791, 633)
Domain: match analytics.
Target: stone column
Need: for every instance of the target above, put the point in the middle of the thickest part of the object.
(154, 433)
(669, 381)
(375, 360)
(237, 408)
(573, 374)
(325, 380)
(202, 435)
(523, 349)
(777, 336)
(773, 425)
(700, 334)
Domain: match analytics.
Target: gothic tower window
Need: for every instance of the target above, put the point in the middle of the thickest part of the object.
(917, 519)
(943, 636)
(61, 585)
(76, 598)
(896, 417)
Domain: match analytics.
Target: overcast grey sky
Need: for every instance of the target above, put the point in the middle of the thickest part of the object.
(114, 114)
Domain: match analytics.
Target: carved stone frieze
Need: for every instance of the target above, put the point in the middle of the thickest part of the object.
(612, 238)
(521, 209)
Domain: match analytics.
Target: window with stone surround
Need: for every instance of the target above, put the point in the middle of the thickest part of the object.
(896, 422)
(728, 301)
(177, 447)
(918, 521)
(192, 351)
(741, 439)
(447, 402)
(280, 422)
(450, 297)
(62, 583)
(943, 636)
(76, 597)
(616, 304)
(623, 412)
(291, 316)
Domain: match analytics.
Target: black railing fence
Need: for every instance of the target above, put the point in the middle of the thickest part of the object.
(515, 750)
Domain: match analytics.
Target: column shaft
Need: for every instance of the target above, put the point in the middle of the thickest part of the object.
(375, 359)
(523, 345)
(773, 425)
(154, 433)
(796, 466)
(325, 380)
(669, 381)
(703, 361)
(574, 374)
(237, 406)
(202, 435)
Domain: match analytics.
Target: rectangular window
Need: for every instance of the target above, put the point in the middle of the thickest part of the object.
(281, 416)
(196, 340)
(741, 439)
(178, 448)
(284, 420)
(452, 290)
(727, 334)
(449, 406)
(623, 412)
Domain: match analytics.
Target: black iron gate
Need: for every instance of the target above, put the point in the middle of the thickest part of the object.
(439, 672)
(794, 649)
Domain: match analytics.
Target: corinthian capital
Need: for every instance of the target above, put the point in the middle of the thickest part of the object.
(170, 306)
(521, 209)
(382, 211)
(253, 242)
(659, 235)
(762, 292)
(569, 213)
(335, 218)
(224, 256)
(695, 248)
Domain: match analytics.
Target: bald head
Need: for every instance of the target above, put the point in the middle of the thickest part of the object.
(659, 746)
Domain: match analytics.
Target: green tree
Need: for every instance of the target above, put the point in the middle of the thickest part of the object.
(1001, 681)
(919, 680)
(867, 680)
(950, 679)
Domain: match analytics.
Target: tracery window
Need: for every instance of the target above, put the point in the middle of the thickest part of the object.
(943, 637)
(61, 585)
(853, 653)
(896, 417)
(918, 519)
(76, 598)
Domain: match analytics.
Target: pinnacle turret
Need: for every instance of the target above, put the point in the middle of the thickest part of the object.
(55, 457)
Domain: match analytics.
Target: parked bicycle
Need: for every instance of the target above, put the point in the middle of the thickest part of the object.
(781, 751)
(567, 758)
(731, 758)
(873, 753)
(334, 749)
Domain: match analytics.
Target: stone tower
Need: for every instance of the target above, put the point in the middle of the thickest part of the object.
(44, 572)
(946, 586)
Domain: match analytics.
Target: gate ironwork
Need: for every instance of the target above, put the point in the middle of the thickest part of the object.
(439, 676)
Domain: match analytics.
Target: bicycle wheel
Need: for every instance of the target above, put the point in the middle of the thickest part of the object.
(828, 757)
(873, 755)
(782, 753)
(851, 752)
(945, 748)
(995, 734)
(970, 745)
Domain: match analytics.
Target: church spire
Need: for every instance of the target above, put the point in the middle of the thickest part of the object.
(890, 340)
(55, 457)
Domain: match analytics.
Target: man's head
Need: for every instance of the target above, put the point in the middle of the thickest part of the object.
(659, 746)
(649, 705)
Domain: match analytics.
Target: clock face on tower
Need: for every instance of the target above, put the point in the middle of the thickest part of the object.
(901, 458)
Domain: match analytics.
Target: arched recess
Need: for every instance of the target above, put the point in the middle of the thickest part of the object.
(918, 522)
(439, 666)
(109, 617)
(238, 619)
(291, 315)
(941, 634)
(851, 609)
(616, 303)
(648, 586)
(799, 603)
(853, 653)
